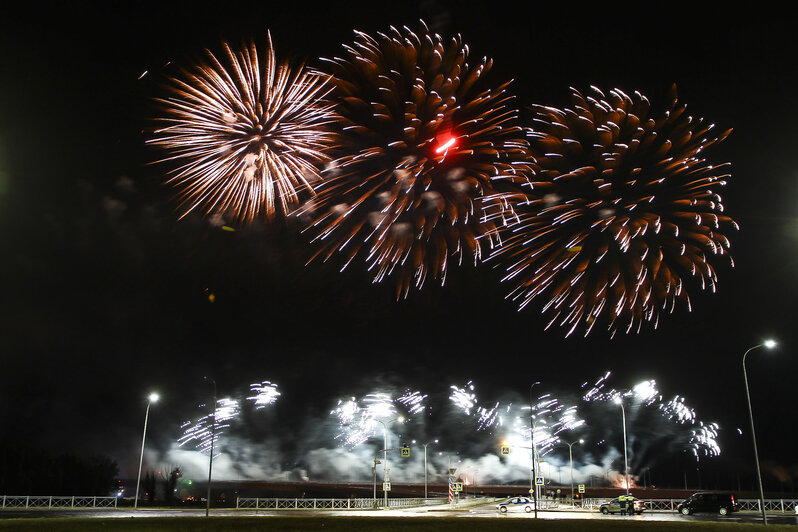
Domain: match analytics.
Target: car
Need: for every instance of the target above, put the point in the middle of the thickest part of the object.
(614, 506)
(515, 504)
(712, 502)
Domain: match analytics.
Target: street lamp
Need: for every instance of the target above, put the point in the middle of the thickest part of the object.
(571, 457)
(533, 487)
(152, 398)
(425, 466)
(385, 457)
(374, 483)
(619, 401)
(213, 439)
(770, 344)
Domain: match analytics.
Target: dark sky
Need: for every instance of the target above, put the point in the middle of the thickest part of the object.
(104, 292)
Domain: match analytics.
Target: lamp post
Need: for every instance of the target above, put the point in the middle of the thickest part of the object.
(425, 466)
(770, 344)
(384, 460)
(374, 483)
(619, 401)
(571, 457)
(213, 439)
(532, 486)
(152, 398)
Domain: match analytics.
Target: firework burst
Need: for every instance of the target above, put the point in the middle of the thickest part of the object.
(644, 399)
(205, 432)
(265, 394)
(623, 209)
(207, 429)
(426, 152)
(550, 417)
(246, 137)
(358, 419)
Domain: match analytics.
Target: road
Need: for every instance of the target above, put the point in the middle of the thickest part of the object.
(485, 511)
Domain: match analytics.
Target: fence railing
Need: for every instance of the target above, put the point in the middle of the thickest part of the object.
(331, 504)
(669, 505)
(35, 501)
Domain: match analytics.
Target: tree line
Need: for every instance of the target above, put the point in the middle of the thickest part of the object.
(26, 470)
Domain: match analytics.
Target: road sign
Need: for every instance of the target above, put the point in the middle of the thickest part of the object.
(458, 486)
(581, 488)
(539, 481)
(404, 452)
(452, 471)
(386, 486)
(505, 450)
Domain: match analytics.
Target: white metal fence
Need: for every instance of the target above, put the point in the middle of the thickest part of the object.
(330, 504)
(31, 501)
(669, 505)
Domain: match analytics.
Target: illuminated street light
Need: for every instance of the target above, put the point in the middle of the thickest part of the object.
(532, 486)
(385, 478)
(571, 457)
(770, 344)
(152, 398)
(425, 466)
(213, 439)
(619, 401)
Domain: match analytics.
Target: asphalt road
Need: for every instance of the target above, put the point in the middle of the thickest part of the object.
(485, 511)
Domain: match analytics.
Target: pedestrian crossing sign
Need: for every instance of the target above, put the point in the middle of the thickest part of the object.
(458, 486)
(404, 452)
(386, 486)
(505, 450)
(539, 481)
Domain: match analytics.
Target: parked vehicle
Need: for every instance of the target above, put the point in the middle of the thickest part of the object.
(614, 506)
(719, 503)
(515, 504)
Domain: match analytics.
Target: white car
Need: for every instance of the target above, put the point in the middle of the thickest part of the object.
(516, 504)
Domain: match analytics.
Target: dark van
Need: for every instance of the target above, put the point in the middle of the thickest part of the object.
(718, 503)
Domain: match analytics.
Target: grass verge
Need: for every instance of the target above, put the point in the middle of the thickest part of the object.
(365, 524)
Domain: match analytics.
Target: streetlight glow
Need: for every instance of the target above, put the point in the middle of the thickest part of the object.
(153, 397)
(770, 343)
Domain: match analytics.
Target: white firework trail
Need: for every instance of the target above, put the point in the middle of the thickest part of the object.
(205, 431)
(413, 401)
(265, 394)
(209, 428)
(464, 398)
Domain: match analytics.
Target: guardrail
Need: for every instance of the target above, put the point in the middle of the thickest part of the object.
(669, 505)
(331, 504)
(34, 501)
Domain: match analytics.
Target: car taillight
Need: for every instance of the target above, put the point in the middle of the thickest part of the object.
(732, 498)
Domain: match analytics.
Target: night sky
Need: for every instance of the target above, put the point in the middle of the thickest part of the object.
(105, 291)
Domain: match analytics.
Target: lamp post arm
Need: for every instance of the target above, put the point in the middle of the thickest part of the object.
(141, 457)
